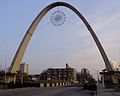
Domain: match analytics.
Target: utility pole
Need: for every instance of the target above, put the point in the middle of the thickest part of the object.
(6, 60)
(97, 76)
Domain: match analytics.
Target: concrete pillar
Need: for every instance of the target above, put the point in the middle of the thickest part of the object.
(60, 84)
(48, 84)
(53, 84)
(42, 85)
(21, 79)
(65, 83)
(56, 84)
(14, 79)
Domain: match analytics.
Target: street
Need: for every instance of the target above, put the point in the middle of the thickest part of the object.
(55, 91)
(58, 91)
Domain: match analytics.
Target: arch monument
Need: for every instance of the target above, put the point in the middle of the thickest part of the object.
(22, 47)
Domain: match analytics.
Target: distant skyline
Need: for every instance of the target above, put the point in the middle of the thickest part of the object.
(71, 43)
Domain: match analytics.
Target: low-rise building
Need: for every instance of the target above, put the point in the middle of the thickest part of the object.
(67, 74)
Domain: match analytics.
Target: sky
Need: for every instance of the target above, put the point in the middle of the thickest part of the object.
(54, 46)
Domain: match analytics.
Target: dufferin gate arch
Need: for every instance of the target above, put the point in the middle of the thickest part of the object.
(21, 50)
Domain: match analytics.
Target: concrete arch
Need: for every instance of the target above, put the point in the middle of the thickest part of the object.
(21, 50)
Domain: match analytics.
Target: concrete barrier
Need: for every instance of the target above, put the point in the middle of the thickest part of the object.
(50, 84)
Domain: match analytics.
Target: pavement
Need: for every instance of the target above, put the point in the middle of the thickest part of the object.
(107, 92)
(101, 91)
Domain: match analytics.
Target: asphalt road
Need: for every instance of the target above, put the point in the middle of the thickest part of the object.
(52, 91)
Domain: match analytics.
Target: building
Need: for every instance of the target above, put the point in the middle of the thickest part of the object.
(58, 74)
(2, 76)
(24, 68)
(107, 79)
(84, 76)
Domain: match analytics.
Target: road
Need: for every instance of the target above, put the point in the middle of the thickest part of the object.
(52, 91)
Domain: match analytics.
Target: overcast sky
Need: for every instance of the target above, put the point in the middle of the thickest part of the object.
(53, 46)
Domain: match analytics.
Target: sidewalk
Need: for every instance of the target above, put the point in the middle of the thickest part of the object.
(107, 92)
(101, 92)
